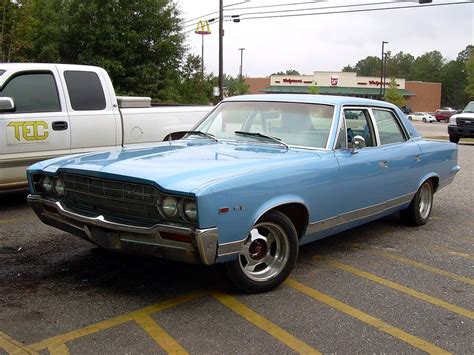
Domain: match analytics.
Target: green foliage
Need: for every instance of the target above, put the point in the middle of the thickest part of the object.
(399, 65)
(454, 81)
(288, 72)
(427, 67)
(369, 66)
(469, 90)
(235, 86)
(313, 89)
(392, 95)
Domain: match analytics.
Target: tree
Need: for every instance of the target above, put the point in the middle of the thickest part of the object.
(313, 89)
(392, 94)
(370, 66)
(465, 54)
(454, 80)
(288, 72)
(427, 67)
(469, 90)
(235, 86)
(399, 65)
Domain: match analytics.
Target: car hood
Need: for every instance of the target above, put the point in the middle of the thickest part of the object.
(463, 115)
(184, 166)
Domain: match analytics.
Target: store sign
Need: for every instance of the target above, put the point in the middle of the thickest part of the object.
(292, 81)
(378, 83)
(334, 81)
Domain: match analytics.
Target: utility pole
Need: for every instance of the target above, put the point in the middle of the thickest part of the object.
(241, 62)
(382, 70)
(221, 51)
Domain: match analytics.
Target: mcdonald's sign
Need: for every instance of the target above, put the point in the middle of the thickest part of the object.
(203, 28)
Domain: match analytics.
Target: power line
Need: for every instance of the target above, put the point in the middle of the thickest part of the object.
(356, 10)
(215, 12)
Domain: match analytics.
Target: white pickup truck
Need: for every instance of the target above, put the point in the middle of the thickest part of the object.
(48, 110)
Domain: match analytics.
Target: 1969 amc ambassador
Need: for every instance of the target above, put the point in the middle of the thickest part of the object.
(259, 176)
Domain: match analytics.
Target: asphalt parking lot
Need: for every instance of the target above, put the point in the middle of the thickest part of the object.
(381, 288)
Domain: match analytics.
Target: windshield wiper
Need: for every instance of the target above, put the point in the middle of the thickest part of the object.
(261, 135)
(203, 134)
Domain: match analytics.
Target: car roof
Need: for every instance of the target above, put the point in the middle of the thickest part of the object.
(313, 99)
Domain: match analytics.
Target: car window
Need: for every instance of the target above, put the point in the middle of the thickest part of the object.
(358, 123)
(297, 124)
(388, 127)
(33, 92)
(341, 142)
(85, 90)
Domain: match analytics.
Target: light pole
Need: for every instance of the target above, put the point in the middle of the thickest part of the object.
(382, 69)
(241, 61)
(221, 51)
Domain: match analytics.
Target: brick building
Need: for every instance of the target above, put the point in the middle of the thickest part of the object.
(419, 96)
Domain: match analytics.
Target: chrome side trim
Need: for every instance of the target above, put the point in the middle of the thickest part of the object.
(230, 248)
(357, 214)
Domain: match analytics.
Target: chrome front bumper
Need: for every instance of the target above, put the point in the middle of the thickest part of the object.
(127, 238)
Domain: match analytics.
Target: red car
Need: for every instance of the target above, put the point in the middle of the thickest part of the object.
(443, 115)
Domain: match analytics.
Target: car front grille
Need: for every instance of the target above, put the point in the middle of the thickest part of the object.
(469, 122)
(117, 201)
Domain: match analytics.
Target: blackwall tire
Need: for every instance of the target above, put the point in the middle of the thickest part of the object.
(454, 139)
(419, 210)
(268, 255)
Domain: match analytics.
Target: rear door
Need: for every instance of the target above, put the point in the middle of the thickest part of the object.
(38, 129)
(94, 120)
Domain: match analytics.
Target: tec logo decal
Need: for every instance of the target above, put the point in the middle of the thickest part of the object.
(29, 131)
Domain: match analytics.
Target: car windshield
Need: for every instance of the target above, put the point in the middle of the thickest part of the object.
(295, 124)
(1, 72)
(469, 107)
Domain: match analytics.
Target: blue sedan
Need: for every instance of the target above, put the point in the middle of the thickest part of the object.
(255, 179)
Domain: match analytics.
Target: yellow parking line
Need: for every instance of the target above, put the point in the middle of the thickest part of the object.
(13, 347)
(16, 220)
(264, 324)
(366, 318)
(58, 349)
(163, 339)
(419, 265)
(422, 296)
(106, 324)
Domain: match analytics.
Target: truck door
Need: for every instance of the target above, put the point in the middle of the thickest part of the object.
(38, 129)
(94, 120)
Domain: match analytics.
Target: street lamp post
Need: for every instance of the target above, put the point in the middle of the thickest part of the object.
(382, 70)
(221, 50)
(241, 62)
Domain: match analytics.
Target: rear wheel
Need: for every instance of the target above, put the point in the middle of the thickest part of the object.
(410, 118)
(419, 211)
(454, 139)
(268, 255)
(424, 119)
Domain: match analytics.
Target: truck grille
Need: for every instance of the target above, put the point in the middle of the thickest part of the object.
(469, 122)
(117, 201)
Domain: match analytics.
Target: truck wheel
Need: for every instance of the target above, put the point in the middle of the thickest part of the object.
(419, 210)
(454, 139)
(268, 255)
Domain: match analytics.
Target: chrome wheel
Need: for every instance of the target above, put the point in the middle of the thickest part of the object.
(426, 200)
(265, 252)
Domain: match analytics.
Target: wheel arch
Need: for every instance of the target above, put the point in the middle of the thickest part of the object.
(433, 177)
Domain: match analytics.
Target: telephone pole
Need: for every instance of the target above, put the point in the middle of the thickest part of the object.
(221, 51)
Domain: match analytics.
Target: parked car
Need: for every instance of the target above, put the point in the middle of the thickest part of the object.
(462, 125)
(443, 115)
(49, 110)
(257, 178)
(421, 116)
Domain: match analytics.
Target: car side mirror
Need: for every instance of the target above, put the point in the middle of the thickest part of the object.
(358, 142)
(7, 104)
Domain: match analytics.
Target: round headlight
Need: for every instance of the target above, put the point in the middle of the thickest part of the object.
(47, 184)
(189, 209)
(58, 187)
(169, 207)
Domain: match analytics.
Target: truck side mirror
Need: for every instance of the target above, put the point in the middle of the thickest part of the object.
(7, 104)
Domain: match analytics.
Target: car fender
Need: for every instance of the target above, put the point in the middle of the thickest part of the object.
(426, 177)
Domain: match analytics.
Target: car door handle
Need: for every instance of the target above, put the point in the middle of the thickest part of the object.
(383, 163)
(59, 125)
(417, 157)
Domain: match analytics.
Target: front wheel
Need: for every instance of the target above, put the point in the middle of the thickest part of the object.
(424, 119)
(268, 255)
(410, 118)
(419, 210)
(454, 139)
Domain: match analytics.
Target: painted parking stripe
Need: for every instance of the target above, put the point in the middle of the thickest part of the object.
(11, 346)
(422, 296)
(264, 324)
(422, 266)
(366, 318)
(106, 324)
(16, 220)
(58, 349)
(163, 339)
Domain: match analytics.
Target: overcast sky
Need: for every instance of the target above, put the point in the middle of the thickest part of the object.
(326, 42)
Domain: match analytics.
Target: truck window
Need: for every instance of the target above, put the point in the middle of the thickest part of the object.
(85, 90)
(33, 92)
